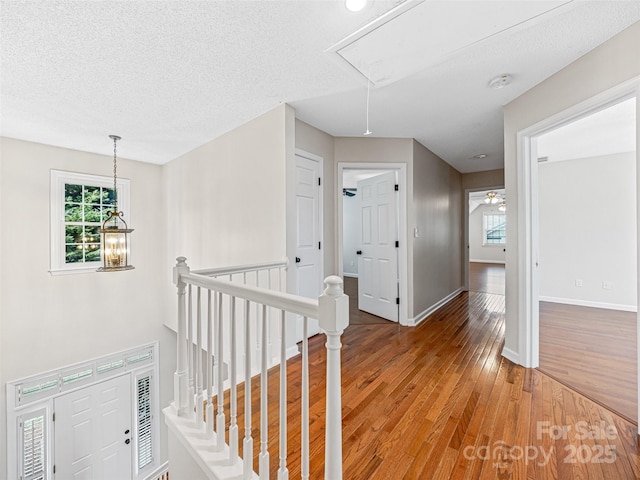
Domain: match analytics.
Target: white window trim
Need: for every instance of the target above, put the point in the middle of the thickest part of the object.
(57, 212)
(484, 230)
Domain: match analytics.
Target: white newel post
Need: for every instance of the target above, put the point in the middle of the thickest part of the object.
(181, 377)
(334, 318)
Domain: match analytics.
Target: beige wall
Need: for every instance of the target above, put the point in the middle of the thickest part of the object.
(383, 150)
(434, 205)
(47, 321)
(612, 63)
(486, 179)
(317, 142)
(437, 251)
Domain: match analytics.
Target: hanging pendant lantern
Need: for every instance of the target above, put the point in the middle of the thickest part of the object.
(114, 233)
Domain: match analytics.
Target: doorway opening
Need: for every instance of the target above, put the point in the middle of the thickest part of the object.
(532, 258)
(588, 271)
(486, 241)
(372, 246)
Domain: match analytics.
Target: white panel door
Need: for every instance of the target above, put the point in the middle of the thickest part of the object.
(308, 247)
(378, 254)
(93, 432)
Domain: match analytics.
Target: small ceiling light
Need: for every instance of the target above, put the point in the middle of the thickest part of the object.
(480, 156)
(114, 233)
(500, 81)
(503, 206)
(355, 5)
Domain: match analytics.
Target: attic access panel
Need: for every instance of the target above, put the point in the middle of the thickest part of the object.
(418, 34)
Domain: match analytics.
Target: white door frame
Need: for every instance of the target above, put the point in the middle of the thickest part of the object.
(527, 184)
(401, 168)
(465, 228)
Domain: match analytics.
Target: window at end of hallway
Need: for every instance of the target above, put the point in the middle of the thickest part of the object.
(494, 229)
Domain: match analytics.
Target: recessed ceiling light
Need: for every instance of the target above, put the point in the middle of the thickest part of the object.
(355, 5)
(480, 156)
(500, 81)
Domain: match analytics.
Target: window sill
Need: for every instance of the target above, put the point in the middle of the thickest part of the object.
(72, 271)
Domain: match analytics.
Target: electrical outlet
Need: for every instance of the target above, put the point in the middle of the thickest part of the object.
(606, 285)
(578, 282)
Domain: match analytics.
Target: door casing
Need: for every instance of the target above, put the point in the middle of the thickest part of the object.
(527, 194)
(403, 249)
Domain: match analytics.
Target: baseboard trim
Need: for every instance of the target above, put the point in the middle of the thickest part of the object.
(350, 275)
(588, 303)
(511, 355)
(293, 351)
(420, 317)
(499, 262)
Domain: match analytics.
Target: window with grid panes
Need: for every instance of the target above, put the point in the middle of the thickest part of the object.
(79, 206)
(85, 209)
(495, 229)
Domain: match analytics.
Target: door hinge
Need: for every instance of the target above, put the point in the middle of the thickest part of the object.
(397, 244)
(397, 187)
(319, 245)
(319, 181)
(54, 469)
(397, 300)
(54, 417)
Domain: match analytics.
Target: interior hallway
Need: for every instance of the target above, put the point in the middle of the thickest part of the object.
(486, 278)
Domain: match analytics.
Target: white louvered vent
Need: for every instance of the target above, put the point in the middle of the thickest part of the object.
(145, 423)
(33, 443)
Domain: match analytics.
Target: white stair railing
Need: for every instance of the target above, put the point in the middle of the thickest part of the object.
(215, 352)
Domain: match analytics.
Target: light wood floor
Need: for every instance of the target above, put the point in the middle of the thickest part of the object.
(438, 401)
(592, 350)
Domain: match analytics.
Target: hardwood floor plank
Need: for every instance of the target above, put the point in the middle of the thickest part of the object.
(439, 401)
(592, 350)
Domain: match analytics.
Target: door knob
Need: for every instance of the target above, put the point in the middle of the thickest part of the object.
(359, 252)
(297, 259)
(127, 441)
(126, 432)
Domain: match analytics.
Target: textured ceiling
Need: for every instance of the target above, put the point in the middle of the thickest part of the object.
(169, 76)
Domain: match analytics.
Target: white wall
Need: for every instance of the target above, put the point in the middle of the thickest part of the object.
(53, 321)
(350, 225)
(225, 200)
(477, 251)
(597, 241)
(605, 67)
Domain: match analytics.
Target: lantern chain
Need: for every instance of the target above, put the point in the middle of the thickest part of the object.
(115, 175)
